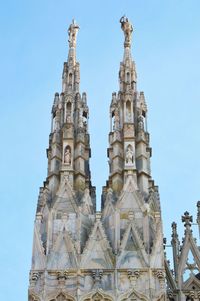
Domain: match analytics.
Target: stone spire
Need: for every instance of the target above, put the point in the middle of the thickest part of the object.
(66, 203)
(71, 70)
(131, 213)
(80, 254)
(69, 148)
(129, 152)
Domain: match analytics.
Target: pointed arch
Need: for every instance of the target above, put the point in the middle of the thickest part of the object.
(128, 111)
(189, 245)
(62, 296)
(97, 295)
(131, 294)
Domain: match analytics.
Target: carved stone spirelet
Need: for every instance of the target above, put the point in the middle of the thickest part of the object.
(127, 29)
(72, 32)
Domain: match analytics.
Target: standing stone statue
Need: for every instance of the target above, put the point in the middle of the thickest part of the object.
(127, 29)
(129, 155)
(72, 32)
(116, 120)
(67, 156)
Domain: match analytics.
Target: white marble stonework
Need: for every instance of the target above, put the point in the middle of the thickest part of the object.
(115, 254)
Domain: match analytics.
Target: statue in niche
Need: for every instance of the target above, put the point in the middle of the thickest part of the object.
(72, 32)
(129, 155)
(67, 155)
(116, 120)
(127, 29)
(69, 120)
(81, 118)
(128, 115)
(57, 122)
(140, 123)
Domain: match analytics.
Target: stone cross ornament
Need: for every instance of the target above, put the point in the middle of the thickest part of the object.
(127, 28)
(72, 32)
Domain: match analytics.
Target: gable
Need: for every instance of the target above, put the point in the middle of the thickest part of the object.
(97, 253)
(130, 197)
(132, 251)
(63, 256)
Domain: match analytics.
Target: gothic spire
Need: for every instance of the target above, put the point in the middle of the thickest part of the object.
(129, 152)
(72, 33)
(71, 70)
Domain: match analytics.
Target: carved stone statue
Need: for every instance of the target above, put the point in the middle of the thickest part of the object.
(116, 120)
(67, 156)
(127, 29)
(140, 123)
(72, 32)
(129, 155)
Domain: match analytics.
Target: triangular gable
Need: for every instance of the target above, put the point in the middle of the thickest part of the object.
(192, 283)
(132, 251)
(97, 253)
(38, 257)
(97, 294)
(65, 198)
(63, 256)
(132, 294)
(130, 197)
(188, 245)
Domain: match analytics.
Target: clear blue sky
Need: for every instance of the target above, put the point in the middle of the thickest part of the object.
(166, 48)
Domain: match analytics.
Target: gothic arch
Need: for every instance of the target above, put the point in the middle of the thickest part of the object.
(128, 111)
(62, 297)
(133, 295)
(98, 295)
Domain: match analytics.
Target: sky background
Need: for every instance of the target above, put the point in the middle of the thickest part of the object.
(166, 49)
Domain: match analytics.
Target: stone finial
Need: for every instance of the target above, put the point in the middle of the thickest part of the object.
(187, 219)
(127, 28)
(72, 32)
(174, 230)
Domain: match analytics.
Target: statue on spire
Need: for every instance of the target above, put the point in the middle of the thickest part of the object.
(72, 32)
(127, 28)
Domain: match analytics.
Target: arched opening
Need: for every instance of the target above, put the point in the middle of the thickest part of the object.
(128, 111)
(70, 80)
(62, 297)
(85, 117)
(69, 111)
(98, 297)
(128, 77)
